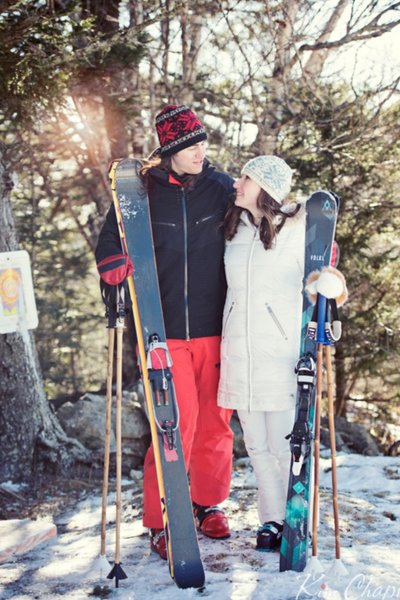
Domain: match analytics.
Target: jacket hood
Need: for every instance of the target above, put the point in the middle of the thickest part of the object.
(162, 176)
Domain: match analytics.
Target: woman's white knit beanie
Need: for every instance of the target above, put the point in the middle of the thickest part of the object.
(272, 174)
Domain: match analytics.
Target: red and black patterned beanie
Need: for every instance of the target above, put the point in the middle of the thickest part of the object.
(178, 128)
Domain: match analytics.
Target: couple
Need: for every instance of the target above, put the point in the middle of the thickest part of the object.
(230, 277)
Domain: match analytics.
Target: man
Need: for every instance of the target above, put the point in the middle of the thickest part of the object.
(188, 200)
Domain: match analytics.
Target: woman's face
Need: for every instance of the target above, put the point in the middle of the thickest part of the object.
(247, 192)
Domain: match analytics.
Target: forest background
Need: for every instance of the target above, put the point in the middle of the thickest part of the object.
(316, 82)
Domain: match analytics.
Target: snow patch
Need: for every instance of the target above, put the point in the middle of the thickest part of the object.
(370, 541)
(18, 536)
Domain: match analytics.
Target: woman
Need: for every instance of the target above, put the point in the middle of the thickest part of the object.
(261, 328)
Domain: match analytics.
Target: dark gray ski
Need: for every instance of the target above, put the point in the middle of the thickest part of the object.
(132, 209)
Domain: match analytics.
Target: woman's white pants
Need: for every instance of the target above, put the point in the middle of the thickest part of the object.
(264, 436)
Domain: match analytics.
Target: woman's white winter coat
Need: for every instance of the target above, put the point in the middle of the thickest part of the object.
(262, 318)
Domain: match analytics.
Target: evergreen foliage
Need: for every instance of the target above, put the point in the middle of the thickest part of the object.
(81, 83)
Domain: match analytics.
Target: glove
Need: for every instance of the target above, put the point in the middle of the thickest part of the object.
(328, 282)
(115, 269)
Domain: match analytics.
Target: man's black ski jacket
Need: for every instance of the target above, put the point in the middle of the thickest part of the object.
(189, 249)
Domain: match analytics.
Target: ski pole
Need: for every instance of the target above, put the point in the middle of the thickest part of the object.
(120, 332)
(314, 566)
(101, 564)
(117, 570)
(317, 448)
(338, 567)
(104, 564)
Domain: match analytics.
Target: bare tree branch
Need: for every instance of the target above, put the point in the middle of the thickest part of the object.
(315, 63)
(369, 31)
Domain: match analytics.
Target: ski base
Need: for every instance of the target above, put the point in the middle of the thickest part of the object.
(133, 216)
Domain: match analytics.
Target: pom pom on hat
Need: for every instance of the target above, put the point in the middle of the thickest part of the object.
(178, 128)
(272, 174)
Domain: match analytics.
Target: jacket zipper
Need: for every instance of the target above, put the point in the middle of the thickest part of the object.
(248, 315)
(186, 278)
(276, 320)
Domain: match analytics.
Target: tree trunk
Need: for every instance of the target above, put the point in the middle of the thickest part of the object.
(315, 63)
(31, 436)
(271, 122)
(191, 28)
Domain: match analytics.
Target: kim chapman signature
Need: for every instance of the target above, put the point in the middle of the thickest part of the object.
(359, 587)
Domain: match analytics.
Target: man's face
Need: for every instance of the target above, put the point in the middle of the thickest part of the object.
(189, 160)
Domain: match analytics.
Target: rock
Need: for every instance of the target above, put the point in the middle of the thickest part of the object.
(18, 536)
(85, 421)
(136, 435)
(350, 437)
(136, 476)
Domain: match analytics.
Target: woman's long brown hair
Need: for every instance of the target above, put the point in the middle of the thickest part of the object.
(268, 228)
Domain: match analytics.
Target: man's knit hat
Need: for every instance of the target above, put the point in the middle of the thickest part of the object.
(272, 174)
(178, 128)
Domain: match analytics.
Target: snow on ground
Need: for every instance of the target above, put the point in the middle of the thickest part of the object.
(370, 534)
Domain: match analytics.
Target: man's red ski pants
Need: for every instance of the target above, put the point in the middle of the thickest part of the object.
(206, 435)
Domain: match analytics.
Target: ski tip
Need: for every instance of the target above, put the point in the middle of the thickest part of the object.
(129, 167)
(186, 576)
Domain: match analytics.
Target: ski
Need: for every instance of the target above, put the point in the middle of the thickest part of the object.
(133, 215)
(321, 215)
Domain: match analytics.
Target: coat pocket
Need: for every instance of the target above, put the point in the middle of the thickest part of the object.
(164, 224)
(276, 321)
(204, 220)
(207, 230)
(167, 235)
(227, 319)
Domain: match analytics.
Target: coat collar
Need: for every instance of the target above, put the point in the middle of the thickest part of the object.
(163, 177)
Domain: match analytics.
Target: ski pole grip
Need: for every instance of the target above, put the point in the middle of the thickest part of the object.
(322, 306)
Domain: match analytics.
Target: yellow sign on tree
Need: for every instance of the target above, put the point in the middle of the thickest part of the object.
(17, 299)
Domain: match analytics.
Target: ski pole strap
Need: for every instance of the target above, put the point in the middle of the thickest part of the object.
(313, 324)
(117, 302)
(120, 305)
(333, 327)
